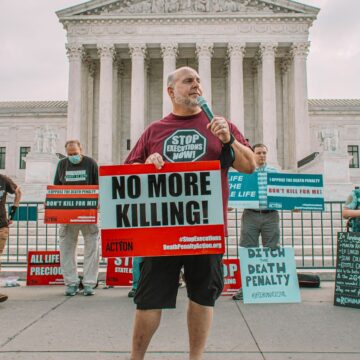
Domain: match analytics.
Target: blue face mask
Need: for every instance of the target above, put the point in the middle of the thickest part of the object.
(74, 159)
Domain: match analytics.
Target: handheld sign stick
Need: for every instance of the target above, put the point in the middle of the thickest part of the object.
(205, 107)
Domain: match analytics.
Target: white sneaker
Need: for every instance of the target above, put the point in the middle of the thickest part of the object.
(88, 290)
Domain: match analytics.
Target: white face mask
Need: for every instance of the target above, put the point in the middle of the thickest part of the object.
(74, 159)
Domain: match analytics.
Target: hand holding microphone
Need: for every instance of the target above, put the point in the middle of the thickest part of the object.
(218, 125)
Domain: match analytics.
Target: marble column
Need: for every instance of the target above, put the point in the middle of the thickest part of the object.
(268, 98)
(121, 143)
(204, 52)
(169, 52)
(288, 130)
(256, 73)
(236, 53)
(137, 109)
(106, 53)
(75, 53)
(92, 68)
(299, 53)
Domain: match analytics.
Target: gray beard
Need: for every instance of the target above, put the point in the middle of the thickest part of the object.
(187, 102)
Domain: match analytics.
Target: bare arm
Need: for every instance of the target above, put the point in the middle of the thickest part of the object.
(244, 158)
(349, 213)
(15, 206)
(17, 196)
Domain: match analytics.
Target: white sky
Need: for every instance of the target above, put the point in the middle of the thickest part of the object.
(34, 66)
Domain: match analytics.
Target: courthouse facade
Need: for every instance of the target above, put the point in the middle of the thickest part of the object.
(250, 54)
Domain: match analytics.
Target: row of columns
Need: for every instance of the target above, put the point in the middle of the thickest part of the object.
(267, 92)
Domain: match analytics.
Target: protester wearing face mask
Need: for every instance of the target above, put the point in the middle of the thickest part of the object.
(78, 169)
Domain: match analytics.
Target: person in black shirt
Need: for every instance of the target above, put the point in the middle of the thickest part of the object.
(78, 169)
(7, 186)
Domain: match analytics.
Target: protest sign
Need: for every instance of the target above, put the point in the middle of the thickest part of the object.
(232, 279)
(244, 190)
(347, 280)
(269, 276)
(43, 268)
(69, 204)
(173, 211)
(119, 271)
(295, 192)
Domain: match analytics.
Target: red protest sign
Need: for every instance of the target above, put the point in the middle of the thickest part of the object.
(43, 268)
(232, 278)
(119, 271)
(173, 211)
(69, 204)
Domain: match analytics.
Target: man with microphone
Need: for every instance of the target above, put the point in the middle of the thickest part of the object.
(187, 134)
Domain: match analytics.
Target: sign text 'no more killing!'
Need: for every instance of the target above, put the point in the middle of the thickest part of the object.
(173, 211)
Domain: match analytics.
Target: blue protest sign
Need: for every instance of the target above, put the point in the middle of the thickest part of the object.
(244, 190)
(269, 276)
(295, 191)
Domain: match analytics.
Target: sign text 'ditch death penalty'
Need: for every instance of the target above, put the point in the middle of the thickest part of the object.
(144, 208)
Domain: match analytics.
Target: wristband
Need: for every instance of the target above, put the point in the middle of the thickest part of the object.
(232, 139)
(12, 212)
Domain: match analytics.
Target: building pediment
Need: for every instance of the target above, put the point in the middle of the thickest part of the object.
(186, 7)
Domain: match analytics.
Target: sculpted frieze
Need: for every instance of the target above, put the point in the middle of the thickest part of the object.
(82, 30)
(192, 6)
(98, 30)
(261, 28)
(277, 28)
(245, 28)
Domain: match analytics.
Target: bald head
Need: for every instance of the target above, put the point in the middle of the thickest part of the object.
(174, 76)
(183, 87)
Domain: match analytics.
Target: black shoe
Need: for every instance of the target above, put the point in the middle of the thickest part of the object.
(3, 297)
(132, 293)
(238, 295)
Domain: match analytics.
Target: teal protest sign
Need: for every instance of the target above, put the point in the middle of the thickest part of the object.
(244, 191)
(295, 192)
(269, 276)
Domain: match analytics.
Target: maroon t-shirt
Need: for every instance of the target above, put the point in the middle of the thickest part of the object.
(183, 139)
(6, 186)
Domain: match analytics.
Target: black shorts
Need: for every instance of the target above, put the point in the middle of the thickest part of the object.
(159, 280)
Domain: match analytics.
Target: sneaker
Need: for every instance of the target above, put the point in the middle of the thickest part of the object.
(132, 293)
(88, 290)
(3, 297)
(71, 290)
(238, 295)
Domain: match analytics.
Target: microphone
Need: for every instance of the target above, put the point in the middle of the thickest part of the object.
(205, 107)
